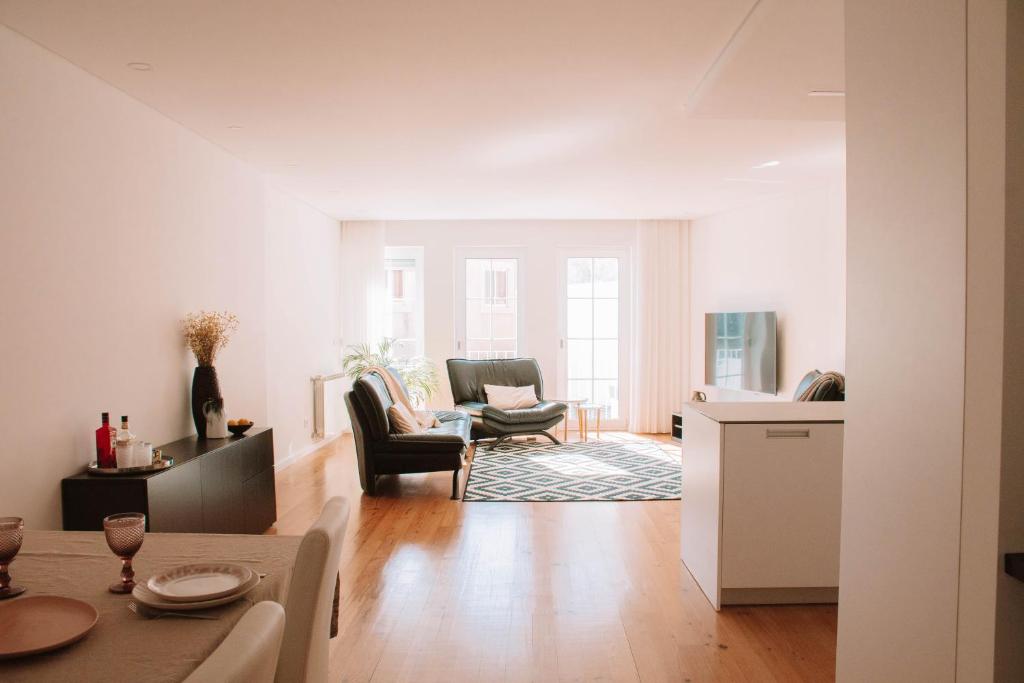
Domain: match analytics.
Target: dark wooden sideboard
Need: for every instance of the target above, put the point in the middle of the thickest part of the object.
(217, 486)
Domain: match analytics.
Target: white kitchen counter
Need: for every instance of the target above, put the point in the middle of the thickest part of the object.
(761, 500)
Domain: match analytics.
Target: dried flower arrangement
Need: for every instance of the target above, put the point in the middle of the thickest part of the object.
(207, 333)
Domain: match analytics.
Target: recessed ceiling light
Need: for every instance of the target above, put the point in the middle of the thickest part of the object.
(768, 164)
(234, 128)
(826, 93)
(140, 66)
(292, 165)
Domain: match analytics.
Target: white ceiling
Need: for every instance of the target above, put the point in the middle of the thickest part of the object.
(481, 109)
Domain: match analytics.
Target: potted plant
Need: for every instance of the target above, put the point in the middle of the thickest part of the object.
(206, 334)
(418, 373)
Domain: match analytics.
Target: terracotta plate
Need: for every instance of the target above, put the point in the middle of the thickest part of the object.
(199, 582)
(40, 623)
(151, 599)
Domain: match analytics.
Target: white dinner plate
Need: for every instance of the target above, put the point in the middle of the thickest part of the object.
(151, 599)
(199, 582)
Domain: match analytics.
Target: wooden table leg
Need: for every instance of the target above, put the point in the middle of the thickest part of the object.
(599, 411)
(565, 427)
(581, 416)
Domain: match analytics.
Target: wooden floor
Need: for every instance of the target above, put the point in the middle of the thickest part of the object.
(441, 590)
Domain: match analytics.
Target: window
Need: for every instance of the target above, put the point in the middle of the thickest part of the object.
(491, 308)
(592, 326)
(404, 299)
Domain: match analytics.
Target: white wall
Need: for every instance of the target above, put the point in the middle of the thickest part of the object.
(116, 222)
(785, 254)
(303, 301)
(906, 259)
(540, 242)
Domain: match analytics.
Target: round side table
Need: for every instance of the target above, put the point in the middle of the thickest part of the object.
(565, 421)
(583, 412)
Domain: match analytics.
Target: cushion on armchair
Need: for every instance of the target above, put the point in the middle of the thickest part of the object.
(403, 421)
(508, 398)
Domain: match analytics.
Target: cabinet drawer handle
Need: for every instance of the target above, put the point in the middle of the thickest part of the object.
(787, 433)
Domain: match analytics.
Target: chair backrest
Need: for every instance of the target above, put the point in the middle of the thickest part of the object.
(304, 650)
(805, 383)
(372, 398)
(468, 377)
(249, 653)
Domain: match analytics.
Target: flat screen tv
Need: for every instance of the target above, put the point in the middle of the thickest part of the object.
(740, 351)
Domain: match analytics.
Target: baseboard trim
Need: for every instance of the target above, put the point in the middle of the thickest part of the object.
(308, 450)
(779, 596)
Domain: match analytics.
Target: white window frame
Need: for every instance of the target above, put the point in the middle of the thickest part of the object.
(414, 254)
(625, 256)
(460, 254)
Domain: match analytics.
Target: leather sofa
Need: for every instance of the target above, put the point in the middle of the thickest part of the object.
(379, 451)
(468, 378)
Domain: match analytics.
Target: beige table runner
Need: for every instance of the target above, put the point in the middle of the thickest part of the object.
(123, 646)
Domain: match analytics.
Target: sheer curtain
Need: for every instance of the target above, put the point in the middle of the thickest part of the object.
(660, 328)
(362, 282)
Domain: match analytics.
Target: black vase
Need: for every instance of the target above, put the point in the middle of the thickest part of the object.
(204, 388)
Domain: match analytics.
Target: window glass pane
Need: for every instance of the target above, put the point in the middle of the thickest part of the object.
(581, 361)
(606, 393)
(606, 318)
(581, 323)
(504, 322)
(606, 277)
(491, 308)
(477, 271)
(580, 389)
(404, 316)
(580, 277)
(504, 277)
(478, 319)
(606, 359)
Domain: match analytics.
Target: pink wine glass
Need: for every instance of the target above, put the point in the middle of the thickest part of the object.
(12, 532)
(125, 532)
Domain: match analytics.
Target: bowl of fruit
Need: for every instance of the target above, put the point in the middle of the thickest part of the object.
(239, 427)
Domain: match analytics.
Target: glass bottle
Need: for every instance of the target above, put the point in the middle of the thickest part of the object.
(125, 444)
(106, 437)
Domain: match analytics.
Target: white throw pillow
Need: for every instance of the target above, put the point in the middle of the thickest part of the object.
(510, 398)
(403, 421)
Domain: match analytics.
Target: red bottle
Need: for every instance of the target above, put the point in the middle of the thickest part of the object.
(105, 437)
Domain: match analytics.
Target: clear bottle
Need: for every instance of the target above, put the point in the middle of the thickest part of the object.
(125, 444)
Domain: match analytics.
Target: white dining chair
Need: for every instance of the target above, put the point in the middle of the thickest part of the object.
(249, 653)
(304, 650)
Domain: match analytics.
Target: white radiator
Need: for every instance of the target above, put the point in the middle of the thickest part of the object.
(319, 412)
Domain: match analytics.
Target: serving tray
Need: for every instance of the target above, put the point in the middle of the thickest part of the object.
(94, 468)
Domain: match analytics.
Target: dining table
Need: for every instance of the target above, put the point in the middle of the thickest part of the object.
(124, 646)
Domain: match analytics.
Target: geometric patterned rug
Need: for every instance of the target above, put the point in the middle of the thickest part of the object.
(596, 470)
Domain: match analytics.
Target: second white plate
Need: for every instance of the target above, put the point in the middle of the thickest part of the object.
(199, 582)
(151, 599)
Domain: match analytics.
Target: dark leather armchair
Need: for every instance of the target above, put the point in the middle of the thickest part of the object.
(379, 451)
(468, 378)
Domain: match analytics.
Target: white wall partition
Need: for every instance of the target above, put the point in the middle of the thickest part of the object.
(932, 421)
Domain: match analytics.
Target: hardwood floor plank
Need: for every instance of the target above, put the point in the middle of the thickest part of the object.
(441, 590)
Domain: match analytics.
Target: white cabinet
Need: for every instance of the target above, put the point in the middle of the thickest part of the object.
(760, 507)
